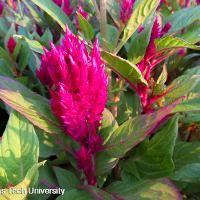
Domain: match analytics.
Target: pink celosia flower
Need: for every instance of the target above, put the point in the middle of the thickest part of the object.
(126, 9)
(1, 7)
(67, 8)
(78, 88)
(11, 44)
(150, 60)
(197, 2)
(166, 28)
(84, 160)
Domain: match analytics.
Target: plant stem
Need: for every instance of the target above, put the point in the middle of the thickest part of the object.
(97, 10)
(103, 19)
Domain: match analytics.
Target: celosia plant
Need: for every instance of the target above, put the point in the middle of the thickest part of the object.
(78, 86)
(99, 99)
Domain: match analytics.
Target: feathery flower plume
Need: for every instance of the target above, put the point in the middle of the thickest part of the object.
(150, 60)
(78, 86)
(67, 8)
(11, 44)
(126, 9)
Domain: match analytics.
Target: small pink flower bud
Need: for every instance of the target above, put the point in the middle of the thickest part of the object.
(11, 45)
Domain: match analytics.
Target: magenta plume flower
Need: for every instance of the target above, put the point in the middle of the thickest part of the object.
(150, 60)
(126, 9)
(67, 8)
(78, 86)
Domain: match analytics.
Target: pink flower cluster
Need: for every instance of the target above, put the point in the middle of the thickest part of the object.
(150, 60)
(126, 10)
(78, 86)
(11, 44)
(66, 6)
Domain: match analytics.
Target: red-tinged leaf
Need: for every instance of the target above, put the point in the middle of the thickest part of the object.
(148, 189)
(135, 130)
(31, 105)
(123, 68)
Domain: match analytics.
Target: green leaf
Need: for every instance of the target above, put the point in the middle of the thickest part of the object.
(47, 143)
(187, 162)
(129, 106)
(188, 173)
(82, 195)
(169, 42)
(182, 18)
(108, 125)
(138, 45)
(33, 106)
(37, 16)
(154, 158)
(24, 185)
(134, 131)
(46, 38)
(19, 149)
(34, 45)
(111, 39)
(55, 12)
(159, 87)
(182, 86)
(192, 33)
(142, 11)
(186, 153)
(17, 49)
(5, 70)
(123, 68)
(188, 106)
(6, 58)
(66, 178)
(47, 179)
(4, 26)
(145, 190)
(113, 8)
(24, 56)
(86, 27)
(75, 195)
(104, 163)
